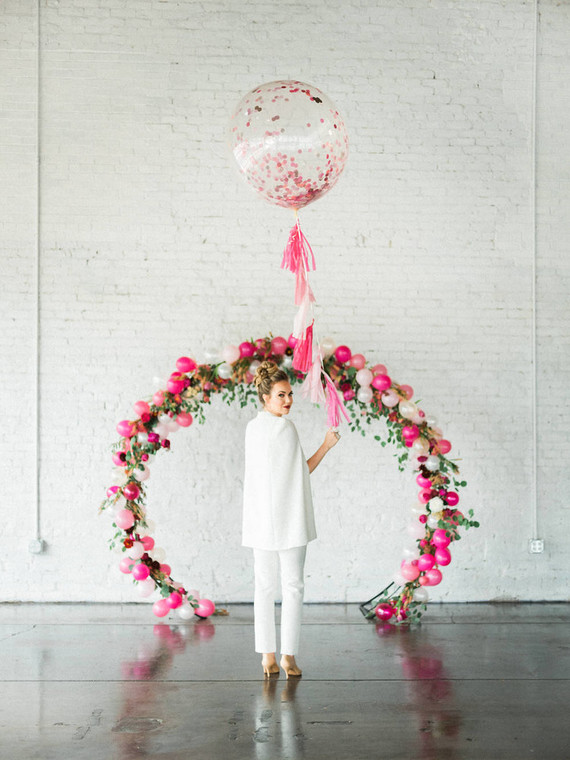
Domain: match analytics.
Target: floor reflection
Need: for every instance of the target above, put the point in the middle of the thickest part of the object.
(277, 730)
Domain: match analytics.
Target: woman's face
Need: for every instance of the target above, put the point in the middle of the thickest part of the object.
(280, 399)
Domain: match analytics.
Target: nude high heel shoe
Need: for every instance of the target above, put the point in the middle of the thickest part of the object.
(270, 668)
(290, 666)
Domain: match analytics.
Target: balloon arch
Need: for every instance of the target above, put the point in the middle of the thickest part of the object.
(369, 394)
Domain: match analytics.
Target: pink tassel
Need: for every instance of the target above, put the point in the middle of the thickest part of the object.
(312, 385)
(303, 351)
(297, 252)
(334, 405)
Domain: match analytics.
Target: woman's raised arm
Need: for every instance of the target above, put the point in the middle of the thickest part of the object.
(331, 439)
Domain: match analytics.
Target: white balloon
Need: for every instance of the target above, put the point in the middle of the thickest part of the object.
(431, 420)
(173, 426)
(136, 551)
(416, 530)
(162, 430)
(420, 595)
(287, 362)
(142, 437)
(146, 587)
(411, 552)
(158, 554)
(432, 521)
(364, 377)
(420, 447)
(185, 611)
(390, 399)
(418, 509)
(328, 345)
(435, 504)
(408, 409)
(230, 354)
(225, 371)
(255, 364)
(365, 394)
(164, 419)
(141, 475)
(432, 463)
(212, 355)
(120, 477)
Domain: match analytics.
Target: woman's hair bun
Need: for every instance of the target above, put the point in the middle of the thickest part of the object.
(266, 375)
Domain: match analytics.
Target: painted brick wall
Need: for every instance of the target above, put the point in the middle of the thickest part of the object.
(152, 247)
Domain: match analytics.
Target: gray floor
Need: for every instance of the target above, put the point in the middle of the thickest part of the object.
(105, 681)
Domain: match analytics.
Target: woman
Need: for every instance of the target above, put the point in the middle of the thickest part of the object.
(278, 520)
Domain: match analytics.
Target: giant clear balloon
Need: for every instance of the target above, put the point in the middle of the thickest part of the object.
(289, 141)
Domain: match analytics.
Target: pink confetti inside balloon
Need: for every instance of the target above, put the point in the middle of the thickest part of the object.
(289, 141)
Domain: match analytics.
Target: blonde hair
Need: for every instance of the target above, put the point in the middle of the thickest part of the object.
(266, 375)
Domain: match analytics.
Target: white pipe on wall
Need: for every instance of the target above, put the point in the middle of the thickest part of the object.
(534, 401)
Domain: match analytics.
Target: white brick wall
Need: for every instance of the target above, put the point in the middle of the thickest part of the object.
(152, 247)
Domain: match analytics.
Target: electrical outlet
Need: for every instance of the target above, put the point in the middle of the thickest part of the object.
(536, 545)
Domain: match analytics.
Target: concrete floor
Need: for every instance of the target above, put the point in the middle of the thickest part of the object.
(487, 682)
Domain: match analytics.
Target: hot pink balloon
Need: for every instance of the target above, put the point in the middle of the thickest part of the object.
(125, 428)
(147, 542)
(440, 538)
(434, 577)
(278, 345)
(289, 141)
(141, 572)
(119, 460)
(131, 491)
(381, 382)
(451, 498)
(343, 354)
(442, 556)
(141, 407)
(246, 348)
(184, 419)
(161, 607)
(126, 565)
(409, 572)
(426, 562)
(175, 386)
(124, 519)
(384, 611)
(174, 600)
(205, 608)
(423, 482)
(292, 341)
(410, 432)
(444, 446)
(111, 491)
(158, 398)
(357, 361)
(185, 364)
(407, 390)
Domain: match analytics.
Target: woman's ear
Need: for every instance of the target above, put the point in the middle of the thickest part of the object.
(265, 398)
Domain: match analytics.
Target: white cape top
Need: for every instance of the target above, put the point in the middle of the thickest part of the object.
(277, 500)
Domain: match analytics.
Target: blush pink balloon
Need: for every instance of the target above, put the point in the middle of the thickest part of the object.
(444, 446)
(141, 407)
(174, 600)
(442, 556)
(246, 348)
(278, 345)
(161, 607)
(158, 398)
(357, 361)
(426, 562)
(381, 382)
(124, 519)
(423, 482)
(185, 364)
(451, 498)
(126, 565)
(390, 398)
(434, 577)
(131, 491)
(343, 354)
(166, 569)
(440, 538)
(423, 580)
(384, 611)
(184, 419)
(147, 542)
(205, 608)
(407, 390)
(141, 572)
(125, 428)
(379, 369)
(409, 572)
(424, 495)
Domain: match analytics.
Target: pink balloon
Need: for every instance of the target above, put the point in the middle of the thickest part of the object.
(410, 432)
(434, 577)
(158, 398)
(184, 419)
(280, 133)
(161, 607)
(407, 390)
(126, 565)
(111, 491)
(175, 386)
(343, 354)
(124, 519)
(166, 569)
(423, 482)
(278, 345)
(451, 498)
(292, 341)
(409, 572)
(141, 407)
(131, 491)
(423, 580)
(424, 495)
(141, 572)
(185, 364)
(174, 600)
(119, 460)
(426, 562)
(357, 361)
(442, 556)
(147, 542)
(381, 382)
(348, 395)
(379, 369)
(444, 446)
(440, 538)
(125, 428)
(384, 611)
(205, 608)
(246, 348)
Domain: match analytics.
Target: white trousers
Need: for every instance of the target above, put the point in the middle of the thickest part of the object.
(266, 571)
